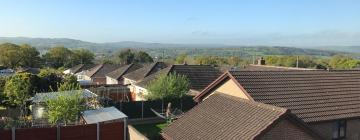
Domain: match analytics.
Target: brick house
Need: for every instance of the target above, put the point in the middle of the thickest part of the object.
(97, 74)
(116, 76)
(223, 116)
(132, 77)
(199, 77)
(327, 101)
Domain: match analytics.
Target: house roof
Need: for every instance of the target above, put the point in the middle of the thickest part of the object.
(43, 97)
(28, 70)
(226, 117)
(199, 75)
(145, 71)
(118, 73)
(101, 70)
(312, 95)
(102, 115)
(272, 68)
(81, 67)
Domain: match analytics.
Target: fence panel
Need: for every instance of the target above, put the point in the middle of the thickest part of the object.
(134, 109)
(80, 132)
(35, 134)
(5, 134)
(112, 131)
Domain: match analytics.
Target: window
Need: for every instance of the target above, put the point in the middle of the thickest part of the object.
(339, 129)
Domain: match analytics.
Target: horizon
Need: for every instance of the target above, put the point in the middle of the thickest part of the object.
(248, 23)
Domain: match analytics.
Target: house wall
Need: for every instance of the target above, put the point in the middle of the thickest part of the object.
(286, 130)
(84, 77)
(139, 93)
(325, 129)
(98, 80)
(128, 81)
(111, 81)
(230, 88)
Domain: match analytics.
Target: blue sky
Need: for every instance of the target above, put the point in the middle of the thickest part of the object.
(240, 22)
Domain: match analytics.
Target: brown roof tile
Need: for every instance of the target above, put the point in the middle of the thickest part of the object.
(311, 95)
(118, 73)
(101, 70)
(81, 67)
(224, 117)
(145, 71)
(199, 75)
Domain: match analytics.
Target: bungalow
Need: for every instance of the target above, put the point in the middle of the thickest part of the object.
(79, 71)
(97, 74)
(327, 101)
(131, 78)
(199, 77)
(139, 74)
(227, 117)
(116, 76)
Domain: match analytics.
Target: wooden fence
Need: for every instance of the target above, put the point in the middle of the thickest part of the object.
(102, 131)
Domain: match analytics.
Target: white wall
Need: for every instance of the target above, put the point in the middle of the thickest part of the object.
(140, 93)
(111, 81)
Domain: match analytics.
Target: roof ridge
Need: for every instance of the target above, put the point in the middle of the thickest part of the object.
(96, 69)
(258, 104)
(152, 66)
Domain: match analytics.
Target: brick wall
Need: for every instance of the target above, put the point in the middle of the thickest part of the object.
(286, 130)
(325, 129)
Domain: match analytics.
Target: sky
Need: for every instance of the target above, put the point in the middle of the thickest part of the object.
(233, 22)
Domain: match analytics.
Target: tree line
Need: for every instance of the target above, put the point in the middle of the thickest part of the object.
(333, 62)
(338, 61)
(13, 56)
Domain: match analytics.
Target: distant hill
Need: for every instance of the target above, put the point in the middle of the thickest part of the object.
(172, 49)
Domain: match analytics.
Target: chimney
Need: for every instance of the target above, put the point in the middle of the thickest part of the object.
(261, 61)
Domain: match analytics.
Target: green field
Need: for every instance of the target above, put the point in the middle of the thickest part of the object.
(151, 131)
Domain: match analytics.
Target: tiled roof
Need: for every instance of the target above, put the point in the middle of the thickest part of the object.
(224, 117)
(199, 75)
(271, 68)
(311, 95)
(81, 67)
(145, 71)
(116, 74)
(101, 70)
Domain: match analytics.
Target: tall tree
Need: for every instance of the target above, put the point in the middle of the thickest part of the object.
(29, 56)
(82, 56)
(143, 57)
(65, 108)
(2, 87)
(50, 79)
(58, 57)
(126, 56)
(69, 83)
(9, 55)
(12, 55)
(19, 88)
(172, 86)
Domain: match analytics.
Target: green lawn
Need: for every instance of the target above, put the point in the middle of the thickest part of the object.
(151, 131)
